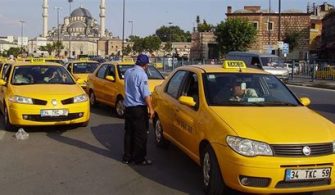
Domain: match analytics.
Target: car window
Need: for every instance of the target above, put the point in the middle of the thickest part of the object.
(111, 70)
(191, 87)
(175, 83)
(6, 72)
(102, 71)
(84, 67)
(227, 89)
(42, 74)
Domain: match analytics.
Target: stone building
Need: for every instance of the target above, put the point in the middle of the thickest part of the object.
(317, 14)
(328, 36)
(204, 46)
(267, 25)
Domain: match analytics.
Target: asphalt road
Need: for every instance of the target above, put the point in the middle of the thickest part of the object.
(67, 160)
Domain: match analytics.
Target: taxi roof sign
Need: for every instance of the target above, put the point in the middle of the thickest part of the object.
(37, 60)
(234, 64)
(84, 59)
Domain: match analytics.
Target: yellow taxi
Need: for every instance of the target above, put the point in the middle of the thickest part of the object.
(38, 93)
(81, 68)
(106, 84)
(327, 72)
(246, 130)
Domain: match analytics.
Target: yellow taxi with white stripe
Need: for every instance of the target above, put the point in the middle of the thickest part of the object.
(246, 130)
(106, 84)
(81, 68)
(39, 93)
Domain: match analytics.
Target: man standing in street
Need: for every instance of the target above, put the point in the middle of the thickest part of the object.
(137, 102)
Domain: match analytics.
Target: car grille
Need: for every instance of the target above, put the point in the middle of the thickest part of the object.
(39, 102)
(67, 101)
(70, 116)
(297, 150)
(296, 184)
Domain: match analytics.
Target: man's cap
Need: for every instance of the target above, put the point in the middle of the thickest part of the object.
(142, 60)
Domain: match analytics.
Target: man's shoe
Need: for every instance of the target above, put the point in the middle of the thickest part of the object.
(144, 162)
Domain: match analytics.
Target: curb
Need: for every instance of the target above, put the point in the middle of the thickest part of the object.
(314, 85)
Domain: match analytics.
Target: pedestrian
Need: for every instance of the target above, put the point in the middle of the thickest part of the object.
(137, 104)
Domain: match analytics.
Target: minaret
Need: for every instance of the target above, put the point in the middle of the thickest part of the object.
(45, 18)
(102, 17)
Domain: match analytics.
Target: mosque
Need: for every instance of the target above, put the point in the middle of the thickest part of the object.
(79, 33)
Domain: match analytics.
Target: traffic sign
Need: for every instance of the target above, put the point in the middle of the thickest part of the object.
(286, 48)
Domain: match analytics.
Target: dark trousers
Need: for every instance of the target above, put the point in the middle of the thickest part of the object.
(135, 138)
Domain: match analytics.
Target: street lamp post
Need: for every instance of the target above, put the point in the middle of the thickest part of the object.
(58, 31)
(22, 22)
(69, 54)
(123, 19)
(132, 26)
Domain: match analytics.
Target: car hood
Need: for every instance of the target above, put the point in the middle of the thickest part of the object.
(276, 125)
(81, 76)
(275, 70)
(46, 91)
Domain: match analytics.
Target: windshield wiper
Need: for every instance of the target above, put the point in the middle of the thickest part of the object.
(277, 103)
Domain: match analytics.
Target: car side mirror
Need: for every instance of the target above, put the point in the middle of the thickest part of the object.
(187, 100)
(305, 101)
(80, 81)
(2, 82)
(110, 78)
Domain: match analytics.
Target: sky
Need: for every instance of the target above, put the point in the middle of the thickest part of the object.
(147, 15)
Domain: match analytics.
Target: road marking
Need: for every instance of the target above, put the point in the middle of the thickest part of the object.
(2, 134)
(315, 88)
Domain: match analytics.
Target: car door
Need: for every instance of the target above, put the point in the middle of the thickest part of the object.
(3, 89)
(110, 91)
(98, 83)
(168, 101)
(186, 117)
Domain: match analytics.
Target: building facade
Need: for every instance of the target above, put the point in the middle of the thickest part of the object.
(328, 36)
(203, 46)
(269, 31)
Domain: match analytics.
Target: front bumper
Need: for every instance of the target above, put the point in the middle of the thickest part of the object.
(234, 166)
(30, 115)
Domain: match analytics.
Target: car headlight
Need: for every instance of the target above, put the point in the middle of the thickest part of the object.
(20, 99)
(80, 98)
(249, 147)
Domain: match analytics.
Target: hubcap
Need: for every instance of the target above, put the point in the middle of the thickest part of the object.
(120, 108)
(158, 131)
(206, 168)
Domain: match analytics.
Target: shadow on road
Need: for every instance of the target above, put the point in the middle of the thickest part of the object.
(330, 108)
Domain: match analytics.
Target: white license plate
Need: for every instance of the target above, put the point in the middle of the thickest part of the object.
(307, 174)
(54, 112)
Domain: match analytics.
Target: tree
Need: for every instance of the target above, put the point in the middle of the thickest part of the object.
(292, 38)
(150, 43)
(49, 48)
(58, 45)
(204, 27)
(15, 51)
(235, 35)
(127, 50)
(168, 47)
(173, 34)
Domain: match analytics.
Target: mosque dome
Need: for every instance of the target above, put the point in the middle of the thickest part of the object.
(81, 12)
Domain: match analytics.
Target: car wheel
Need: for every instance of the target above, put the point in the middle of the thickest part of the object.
(158, 132)
(8, 125)
(211, 174)
(92, 99)
(119, 108)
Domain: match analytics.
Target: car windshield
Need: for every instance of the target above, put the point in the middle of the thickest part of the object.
(152, 72)
(55, 61)
(84, 67)
(241, 89)
(272, 61)
(42, 74)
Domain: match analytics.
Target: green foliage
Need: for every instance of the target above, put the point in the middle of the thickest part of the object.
(127, 50)
(49, 48)
(173, 34)
(15, 51)
(204, 27)
(168, 47)
(58, 45)
(292, 38)
(235, 35)
(149, 43)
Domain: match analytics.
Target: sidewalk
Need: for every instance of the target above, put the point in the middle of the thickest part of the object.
(307, 81)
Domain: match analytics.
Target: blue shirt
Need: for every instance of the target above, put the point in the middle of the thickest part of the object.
(136, 87)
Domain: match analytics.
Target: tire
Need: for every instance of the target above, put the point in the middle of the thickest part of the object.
(119, 108)
(158, 133)
(8, 125)
(211, 173)
(93, 100)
